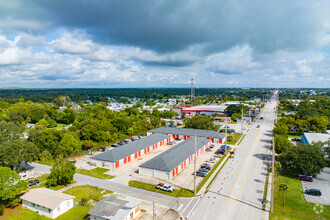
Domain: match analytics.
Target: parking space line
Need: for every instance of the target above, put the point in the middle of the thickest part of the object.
(177, 203)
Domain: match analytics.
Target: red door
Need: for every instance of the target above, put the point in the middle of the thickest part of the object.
(129, 158)
(212, 139)
(135, 155)
(176, 170)
(145, 150)
(173, 135)
(173, 173)
(139, 153)
(125, 160)
(117, 164)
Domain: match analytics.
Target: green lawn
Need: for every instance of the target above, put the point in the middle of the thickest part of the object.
(88, 192)
(295, 205)
(150, 187)
(20, 213)
(97, 172)
(235, 137)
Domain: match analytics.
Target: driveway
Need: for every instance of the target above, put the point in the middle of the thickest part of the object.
(321, 182)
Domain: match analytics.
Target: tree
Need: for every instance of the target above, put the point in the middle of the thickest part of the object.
(10, 186)
(61, 174)
(69, 144)
(9, 131)
(277, 166)
(282, 144)
(200, 122)
(283, 188)
(232, 109)
(62, 100)
(13, 153)
(303, 159)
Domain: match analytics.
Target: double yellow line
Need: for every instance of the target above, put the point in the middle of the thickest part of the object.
(242, 165)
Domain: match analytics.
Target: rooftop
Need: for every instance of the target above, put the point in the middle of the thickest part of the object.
(173, 157)
(316, 137)
(113, 208)
(46, 197)
(188, 132)
(131, 148)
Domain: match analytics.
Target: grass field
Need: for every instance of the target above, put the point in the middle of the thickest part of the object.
(97, 172)
(295, 206)
(150, 187)
(235, 138)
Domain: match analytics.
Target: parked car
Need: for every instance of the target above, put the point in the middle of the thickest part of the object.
(121, 143)
(165, 187)
(258, 126)
(208, 149)
(307, 175)
(115, 145)
(212, 146)
(200, 173)
(203, 170)
(212, 160)
(306, 178)
(33, 182)
(127, 141)
(177, 139)
(261, 118)
(314, 192)
(134, 138)
(101, 149)
(171, 142)
(218, 155)
(296, 139)
(205, 167)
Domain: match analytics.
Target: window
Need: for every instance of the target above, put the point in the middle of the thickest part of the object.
(33, 204)
(68, 203)
(48, 210)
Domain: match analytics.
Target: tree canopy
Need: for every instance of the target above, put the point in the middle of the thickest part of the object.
(61, 174)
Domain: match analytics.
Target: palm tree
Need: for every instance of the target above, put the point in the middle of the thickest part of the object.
(283, 188)
(277, 167)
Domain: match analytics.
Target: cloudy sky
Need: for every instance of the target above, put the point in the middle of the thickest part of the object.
(164, 43)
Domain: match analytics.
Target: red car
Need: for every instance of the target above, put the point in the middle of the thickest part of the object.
(305, 178)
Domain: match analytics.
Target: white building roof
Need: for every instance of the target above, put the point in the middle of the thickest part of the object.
(316, 137)
(207, 108)
(46, 197)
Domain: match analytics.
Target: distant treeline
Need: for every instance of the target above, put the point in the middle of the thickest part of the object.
(97, 95)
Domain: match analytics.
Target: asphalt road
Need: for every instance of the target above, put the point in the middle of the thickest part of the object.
(237, 192)
(171, 202)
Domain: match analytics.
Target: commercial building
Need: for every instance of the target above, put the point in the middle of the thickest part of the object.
(204, 109)
(128, 152)
(47, 202)
(185, 133)
(115, 208)
(168, 164)
(309, 138)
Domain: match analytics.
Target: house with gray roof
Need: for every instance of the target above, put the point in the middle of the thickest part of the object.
(168, 164)
(47, 202)
(115, 208)
(128, 152)
(185, 133)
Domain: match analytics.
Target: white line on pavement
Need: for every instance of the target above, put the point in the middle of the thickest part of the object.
(193, 207)
(188, 204)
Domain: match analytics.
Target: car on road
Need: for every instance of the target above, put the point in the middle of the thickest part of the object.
(177, 139)
(306, 178)
(258, 126)
(33, 183)
(261, 118)
(165, 187)
(313, 192)
(200, 173)
(306, 175)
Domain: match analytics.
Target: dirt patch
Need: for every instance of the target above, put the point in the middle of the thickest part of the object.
(8, 212)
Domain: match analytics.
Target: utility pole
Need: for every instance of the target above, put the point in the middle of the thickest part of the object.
(195, 167)
(153, 210)
(242, 122)
(192, 91)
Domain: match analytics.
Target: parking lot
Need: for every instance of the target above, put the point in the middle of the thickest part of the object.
(322, 183)
(129, 171)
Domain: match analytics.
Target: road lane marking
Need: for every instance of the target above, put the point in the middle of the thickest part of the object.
(188, 204)
(247, 171)
(242, 166)
(193, 207)
(177, 203)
